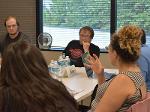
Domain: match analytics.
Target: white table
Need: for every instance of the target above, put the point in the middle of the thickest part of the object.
(81, 84)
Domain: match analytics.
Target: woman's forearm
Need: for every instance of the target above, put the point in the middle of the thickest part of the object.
(101, 78)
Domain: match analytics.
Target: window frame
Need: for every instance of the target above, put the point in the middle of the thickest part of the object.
(39, 22)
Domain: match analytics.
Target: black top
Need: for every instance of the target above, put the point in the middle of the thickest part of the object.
(75, 51)
(6, 40)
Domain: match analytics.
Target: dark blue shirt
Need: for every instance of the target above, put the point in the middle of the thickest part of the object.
(144, 64)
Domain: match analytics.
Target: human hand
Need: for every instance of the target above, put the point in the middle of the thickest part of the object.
(86, 46)
(95, 64)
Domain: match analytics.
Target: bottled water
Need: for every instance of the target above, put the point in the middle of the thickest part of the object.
(61, 67)
(54, 68)
(61, 61)
(67, 60)
(64, 61)
(63, 55)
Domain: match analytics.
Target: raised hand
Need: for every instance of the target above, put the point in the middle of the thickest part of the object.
(86, 46)
(95, 64)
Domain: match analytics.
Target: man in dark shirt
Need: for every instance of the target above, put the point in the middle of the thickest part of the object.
(76, 48)
(13, 34)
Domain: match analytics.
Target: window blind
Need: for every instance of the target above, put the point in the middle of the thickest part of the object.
(134, 12)
(63, 19)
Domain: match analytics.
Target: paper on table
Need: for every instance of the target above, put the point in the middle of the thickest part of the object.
(75, 91)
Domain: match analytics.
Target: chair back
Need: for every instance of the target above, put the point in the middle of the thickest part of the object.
(141, 106)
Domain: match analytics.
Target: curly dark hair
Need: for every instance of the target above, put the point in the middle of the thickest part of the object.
(126, 42)
(25, 83)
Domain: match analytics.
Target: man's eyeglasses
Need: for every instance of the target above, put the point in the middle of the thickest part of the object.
(82, 35)
(9, 26)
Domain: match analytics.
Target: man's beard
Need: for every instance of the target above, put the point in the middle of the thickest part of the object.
(13, 35)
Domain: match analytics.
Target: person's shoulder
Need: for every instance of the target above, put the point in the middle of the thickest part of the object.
(25, 37)
(145, 50)
(74, 42)
(3, 36)
(77, 41)
(121, 78)
(145, 47)
(23, 34)
(95, 46)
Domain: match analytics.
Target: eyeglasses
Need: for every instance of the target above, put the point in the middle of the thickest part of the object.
(9, 26)
(82, 35)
